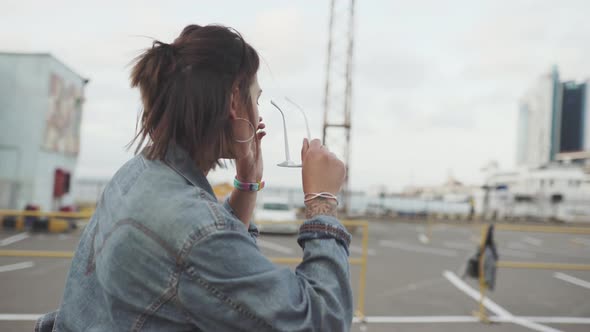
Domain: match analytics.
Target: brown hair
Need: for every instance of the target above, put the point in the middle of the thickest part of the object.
(186, 91)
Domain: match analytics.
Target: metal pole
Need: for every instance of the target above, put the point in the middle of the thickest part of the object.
(363, 276)
(482, 314)
(328, 66)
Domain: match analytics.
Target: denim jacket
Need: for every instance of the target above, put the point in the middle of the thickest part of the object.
(161, 254)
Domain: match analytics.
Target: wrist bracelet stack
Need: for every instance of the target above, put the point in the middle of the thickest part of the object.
(248, 186)
(310, 196)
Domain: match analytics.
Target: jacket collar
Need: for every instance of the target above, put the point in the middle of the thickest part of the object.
(179, 160)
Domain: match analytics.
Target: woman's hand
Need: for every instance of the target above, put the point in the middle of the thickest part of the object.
(250, 168)
(322, 172)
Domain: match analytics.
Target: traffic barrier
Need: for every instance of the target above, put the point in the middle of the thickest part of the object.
(481, 313)
(40, 221)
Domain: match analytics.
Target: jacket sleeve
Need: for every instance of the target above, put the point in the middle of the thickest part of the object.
(229, 285)
(252, 229)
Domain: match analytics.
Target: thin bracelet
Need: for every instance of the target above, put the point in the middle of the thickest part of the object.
(322, 194)
(248, 186)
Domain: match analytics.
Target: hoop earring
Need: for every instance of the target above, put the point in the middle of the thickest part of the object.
(253, 131)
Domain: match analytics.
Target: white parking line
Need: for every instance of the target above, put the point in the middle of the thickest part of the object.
(274, 246)
(413, 248)
(572, 280)
(582, 241)
(460, 245)
(533, 241)
(542, 250)
(15, 317)
(359, 250)
(516, 253)
(418, 319)
(461, 285)
(13, 239)
(503, 252)
(470, 319)
(558, 320)
(516, 245)
(494, 307)
(17, 266)
(394, 319)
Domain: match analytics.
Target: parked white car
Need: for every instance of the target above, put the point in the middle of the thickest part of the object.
(276, 216)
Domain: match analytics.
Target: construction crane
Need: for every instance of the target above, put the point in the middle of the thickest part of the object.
(338, 88)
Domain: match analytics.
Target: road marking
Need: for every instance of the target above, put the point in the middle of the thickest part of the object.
(505, 252)
(359, 250)
(13, 239)
(423, 238)
(558, 320)
(572, 280)
(413, 248)
(516, 245)
(532, 325)
(582, 241)
(468, 319)
(392, 319)
(460, 245)
(493, 306)
(19, 316)
(440, 227)
(17, 266)
(533, 241)
(461, 285)
(58, 264)
(418, 319)
(541, 250)
(274, 246)
(411, 287)
(516, 253)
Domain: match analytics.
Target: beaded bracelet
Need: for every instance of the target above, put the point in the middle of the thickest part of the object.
(322, 194)
(248, 186)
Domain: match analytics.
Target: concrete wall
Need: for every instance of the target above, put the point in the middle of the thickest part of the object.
(25, 101)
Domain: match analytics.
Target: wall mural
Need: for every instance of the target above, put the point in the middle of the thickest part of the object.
(62, 132)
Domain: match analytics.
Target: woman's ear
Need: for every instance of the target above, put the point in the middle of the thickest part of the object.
(234, 103)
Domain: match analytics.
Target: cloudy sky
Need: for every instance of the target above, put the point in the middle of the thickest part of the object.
(435, 90)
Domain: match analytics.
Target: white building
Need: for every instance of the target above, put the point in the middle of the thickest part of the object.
(558, 192)
(538, 121)
(40, 114)
(553, 119)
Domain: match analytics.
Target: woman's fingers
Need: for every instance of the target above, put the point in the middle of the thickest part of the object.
(304, 148)
(260, 134)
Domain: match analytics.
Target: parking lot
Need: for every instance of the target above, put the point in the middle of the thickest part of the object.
(411, 285)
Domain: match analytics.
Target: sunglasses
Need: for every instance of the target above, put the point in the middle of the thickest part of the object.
(288, 162)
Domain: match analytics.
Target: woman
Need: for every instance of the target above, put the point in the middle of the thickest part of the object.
(161, 254)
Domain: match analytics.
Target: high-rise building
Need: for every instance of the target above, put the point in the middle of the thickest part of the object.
(553, 119)
(572, 117)
(538, 111)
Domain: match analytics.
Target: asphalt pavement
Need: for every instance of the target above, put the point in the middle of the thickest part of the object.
(413, 283)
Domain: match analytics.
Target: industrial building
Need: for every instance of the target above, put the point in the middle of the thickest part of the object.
(41, 103)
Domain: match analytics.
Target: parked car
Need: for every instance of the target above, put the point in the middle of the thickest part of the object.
(276, 216)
